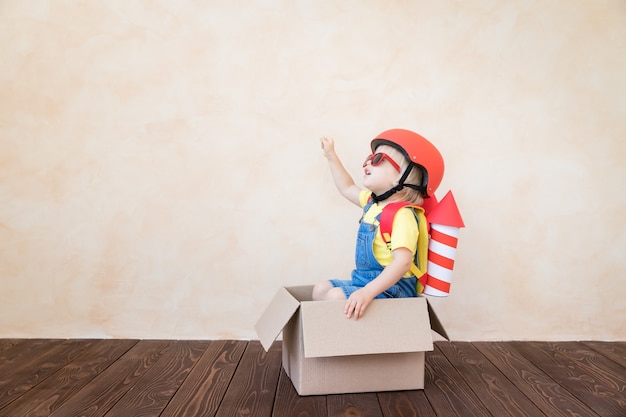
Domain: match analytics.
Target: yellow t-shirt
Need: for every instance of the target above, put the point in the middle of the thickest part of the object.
(405, 231)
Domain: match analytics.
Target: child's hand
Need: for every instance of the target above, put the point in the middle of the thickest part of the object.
(328, 146)
(357, 303)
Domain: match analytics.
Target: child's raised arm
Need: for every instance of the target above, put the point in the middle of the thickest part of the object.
(343, 181)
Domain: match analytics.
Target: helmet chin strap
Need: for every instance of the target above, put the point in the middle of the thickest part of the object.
(400, 186)
(386, 194)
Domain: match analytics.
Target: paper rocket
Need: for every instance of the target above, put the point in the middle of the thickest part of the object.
(445, 222)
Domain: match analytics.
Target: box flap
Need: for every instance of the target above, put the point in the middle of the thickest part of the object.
(275, 317)
(301, 292)
(435, 324)
(388, 326)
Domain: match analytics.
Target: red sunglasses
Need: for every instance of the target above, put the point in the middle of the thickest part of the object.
(377, 158)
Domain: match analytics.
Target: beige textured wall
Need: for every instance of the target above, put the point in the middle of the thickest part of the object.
(161, 176)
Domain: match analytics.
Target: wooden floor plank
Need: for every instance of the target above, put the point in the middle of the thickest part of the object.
(253, 387)
(21, 353)
(71, 378)
(202, 392)
(447, 391)
(35, 365)
(97, 398)
(543, 391)
(62, 385)
(16, 349)
(354, 405)
(500, 396)
(6, 344)
(580, 371)
(18, 356)
(289, 404)
(153, 391)
(405, 404)
(615, 351)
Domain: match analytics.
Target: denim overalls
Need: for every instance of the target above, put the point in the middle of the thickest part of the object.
(368, 267)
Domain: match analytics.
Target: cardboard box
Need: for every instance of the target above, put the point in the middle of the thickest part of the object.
(326, 353)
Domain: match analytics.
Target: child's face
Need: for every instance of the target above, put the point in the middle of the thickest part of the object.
(381, 172)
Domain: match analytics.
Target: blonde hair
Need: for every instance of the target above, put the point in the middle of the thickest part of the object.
(415, 176)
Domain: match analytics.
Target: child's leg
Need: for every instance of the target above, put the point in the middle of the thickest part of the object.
(325, 291)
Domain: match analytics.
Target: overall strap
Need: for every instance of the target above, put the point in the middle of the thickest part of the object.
(370, 202)
(366, 207)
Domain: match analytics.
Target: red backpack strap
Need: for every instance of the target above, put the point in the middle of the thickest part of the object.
(386, 219)
(418, 267)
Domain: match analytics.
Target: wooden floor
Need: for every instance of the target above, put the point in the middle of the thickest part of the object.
(64, 378)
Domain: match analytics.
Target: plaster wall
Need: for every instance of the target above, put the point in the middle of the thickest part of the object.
(161, 174)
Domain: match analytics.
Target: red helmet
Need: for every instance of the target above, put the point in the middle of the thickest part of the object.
(419, 151)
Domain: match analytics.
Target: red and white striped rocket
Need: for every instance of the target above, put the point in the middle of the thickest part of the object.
(445, 222)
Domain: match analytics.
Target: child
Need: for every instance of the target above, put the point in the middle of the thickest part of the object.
(404, 166)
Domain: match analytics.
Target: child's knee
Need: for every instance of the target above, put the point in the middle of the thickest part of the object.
(321, 289)
(325, 291)
(335, 294)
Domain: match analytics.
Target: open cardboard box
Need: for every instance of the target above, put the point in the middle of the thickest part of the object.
(326, 353)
